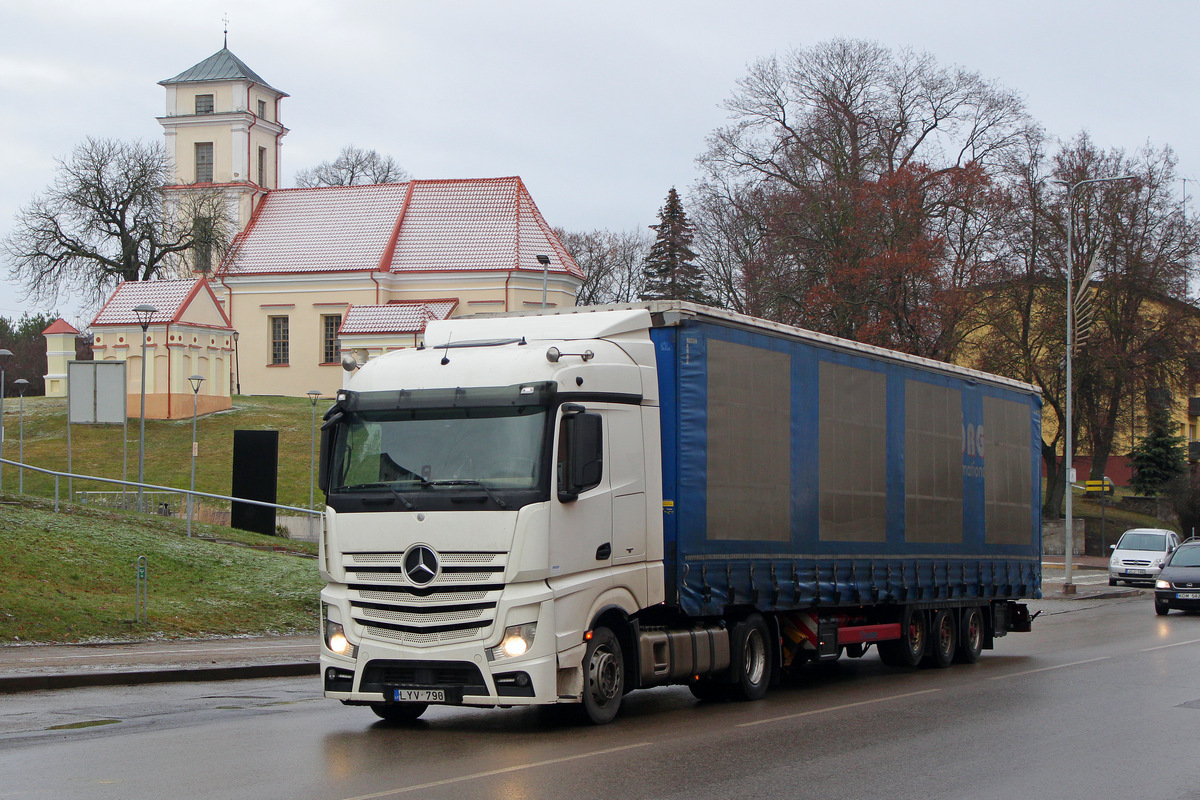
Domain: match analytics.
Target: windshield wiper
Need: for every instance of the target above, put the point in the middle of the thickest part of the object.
(384, 485)
(465, 482)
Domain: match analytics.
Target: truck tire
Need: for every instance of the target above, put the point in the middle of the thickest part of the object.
(603, 677)
(970, 636)
(909, 649)
(751, 659)
(943, 639)
(399, 712)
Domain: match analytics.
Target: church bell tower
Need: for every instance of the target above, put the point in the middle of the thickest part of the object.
(223, 132)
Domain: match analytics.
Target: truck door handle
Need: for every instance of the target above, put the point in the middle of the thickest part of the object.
(604, 552)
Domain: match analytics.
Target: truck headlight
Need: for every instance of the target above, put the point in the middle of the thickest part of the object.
(1161, 584)
(516, 641)
(336, 641)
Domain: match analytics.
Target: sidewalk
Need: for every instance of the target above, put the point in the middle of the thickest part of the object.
(26, 668)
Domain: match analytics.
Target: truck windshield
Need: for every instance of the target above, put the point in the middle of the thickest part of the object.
(413, 449)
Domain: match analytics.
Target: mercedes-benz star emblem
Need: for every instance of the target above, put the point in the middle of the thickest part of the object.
(421, 564)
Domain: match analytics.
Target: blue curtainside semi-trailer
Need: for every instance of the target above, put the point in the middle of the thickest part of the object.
(494, 534)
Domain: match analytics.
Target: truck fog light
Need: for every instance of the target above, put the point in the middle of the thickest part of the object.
(336, 641)
(516, 642)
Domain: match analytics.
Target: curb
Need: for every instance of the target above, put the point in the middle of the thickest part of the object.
(12, 684)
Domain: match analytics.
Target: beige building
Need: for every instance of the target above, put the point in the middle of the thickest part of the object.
(60, 350)
(188, 335)
(322, 272)
(318, 273)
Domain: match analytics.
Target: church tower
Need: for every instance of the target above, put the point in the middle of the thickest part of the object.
(223, 133)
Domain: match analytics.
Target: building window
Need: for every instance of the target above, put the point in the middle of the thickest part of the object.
(202, 243)
(204, 162)
(262, 166)
(262, 109)
(204, 104)
(279, 340)
(329, 342)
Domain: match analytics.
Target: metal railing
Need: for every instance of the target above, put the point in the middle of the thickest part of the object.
(154, 488)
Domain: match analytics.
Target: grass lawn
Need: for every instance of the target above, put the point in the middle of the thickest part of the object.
(71, 577)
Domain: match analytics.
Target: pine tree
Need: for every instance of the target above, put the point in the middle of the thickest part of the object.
(1159, 456)
(670, 270)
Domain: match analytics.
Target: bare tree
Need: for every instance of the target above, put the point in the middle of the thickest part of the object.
(353, 167)
(611, 263)
(1144, 330)
(862, 179)
(104, 220)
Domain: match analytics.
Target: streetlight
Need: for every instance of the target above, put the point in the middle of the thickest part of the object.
(144, 314)
(195, 381)
(545, 262)
(1068, 538)
(5, 355)
(313, 396)
(23, 384)
(237, 364)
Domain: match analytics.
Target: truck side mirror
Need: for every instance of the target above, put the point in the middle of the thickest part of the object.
(581, 454)
(326, 454)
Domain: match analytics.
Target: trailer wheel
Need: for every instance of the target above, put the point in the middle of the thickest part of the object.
(970, 636)
(908, 650)
(399, 712)
(943, 639)
(751, 656)
(604, 677)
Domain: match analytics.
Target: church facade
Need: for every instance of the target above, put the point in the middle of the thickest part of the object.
(315, 274)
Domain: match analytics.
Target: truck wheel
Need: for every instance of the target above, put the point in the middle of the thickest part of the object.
(399, 712)
(751, 652)
(970, 636)
(1161, 609)
(943, 639)
(908, 650)
(604, 677)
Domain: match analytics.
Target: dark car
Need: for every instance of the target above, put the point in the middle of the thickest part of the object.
(1178, 584)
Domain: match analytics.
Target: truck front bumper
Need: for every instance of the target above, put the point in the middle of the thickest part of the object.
(459, 675)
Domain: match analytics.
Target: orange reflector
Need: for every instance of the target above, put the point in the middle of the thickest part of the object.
(587, 637)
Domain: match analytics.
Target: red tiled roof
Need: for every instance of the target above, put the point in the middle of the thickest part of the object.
(169, 299)
(442, 225)
(60, 325)
(395, 317)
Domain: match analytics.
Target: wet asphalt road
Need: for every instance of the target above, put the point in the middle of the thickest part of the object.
(1102, 700)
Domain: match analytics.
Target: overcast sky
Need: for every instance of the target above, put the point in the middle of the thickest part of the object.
(599, 107)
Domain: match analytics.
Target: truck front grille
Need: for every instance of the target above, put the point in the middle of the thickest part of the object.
(459, 604)
(379, 676)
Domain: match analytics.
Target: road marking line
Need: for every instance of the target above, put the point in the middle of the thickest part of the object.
(835, 708)
(1165, 646)
(1047, 669)
(491, 773)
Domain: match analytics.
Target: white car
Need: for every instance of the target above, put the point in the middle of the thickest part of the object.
(1139, 554)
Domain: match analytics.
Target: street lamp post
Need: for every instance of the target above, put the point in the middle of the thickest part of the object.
(1069, 538)
(5, 355)
(195, 381)
(144, 314)
(23, 385)
(237, 364)
(313, 396)
(545, 262)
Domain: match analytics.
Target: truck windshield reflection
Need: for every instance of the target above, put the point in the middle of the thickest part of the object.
(411, 450)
